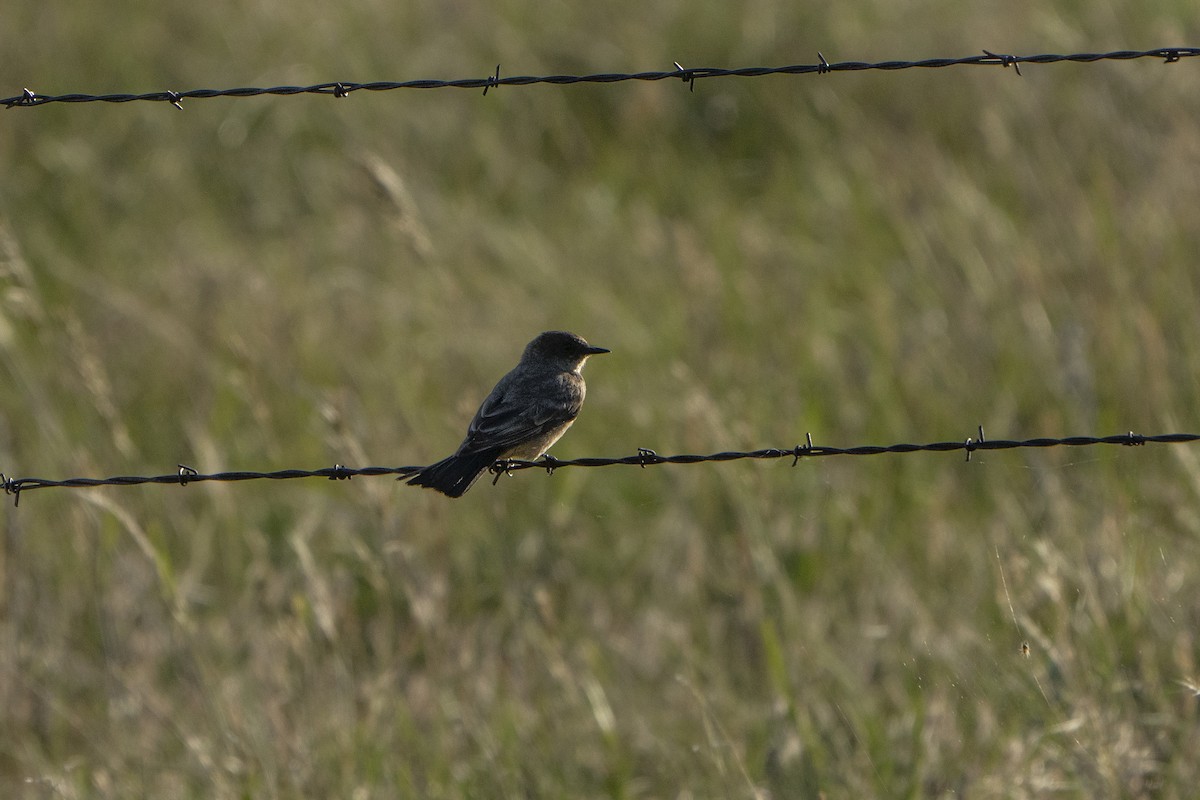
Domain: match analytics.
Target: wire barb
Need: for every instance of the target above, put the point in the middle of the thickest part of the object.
(802, 449)
(823, 65)
(504, 467)
(185, 472)
(174, 98)
(492, 81)
(972, 445)
(687, 75)
(1005, 61)
(25, 98)
(11, 487)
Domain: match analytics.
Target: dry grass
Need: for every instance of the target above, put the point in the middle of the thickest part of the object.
(877, 257)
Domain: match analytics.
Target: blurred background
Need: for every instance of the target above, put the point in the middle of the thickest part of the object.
(876, 257)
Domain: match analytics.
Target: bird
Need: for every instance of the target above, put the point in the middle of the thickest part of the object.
(527, 411)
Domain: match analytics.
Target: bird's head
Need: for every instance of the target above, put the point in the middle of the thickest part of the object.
(561, 349)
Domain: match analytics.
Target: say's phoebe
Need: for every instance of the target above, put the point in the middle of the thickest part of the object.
(523, 416)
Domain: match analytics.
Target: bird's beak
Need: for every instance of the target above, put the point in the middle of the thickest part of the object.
(595, 351)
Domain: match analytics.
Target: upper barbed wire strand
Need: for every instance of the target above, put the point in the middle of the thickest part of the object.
(341, 89)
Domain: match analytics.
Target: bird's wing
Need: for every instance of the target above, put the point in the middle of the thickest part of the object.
(507, 418)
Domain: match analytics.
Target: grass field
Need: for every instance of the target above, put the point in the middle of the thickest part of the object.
(875, 257)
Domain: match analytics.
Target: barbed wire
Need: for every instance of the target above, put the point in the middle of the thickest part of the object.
(644, 458)
(342, 89)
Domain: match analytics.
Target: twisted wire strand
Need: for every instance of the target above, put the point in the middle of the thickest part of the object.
(1170, 55)
(643, 458)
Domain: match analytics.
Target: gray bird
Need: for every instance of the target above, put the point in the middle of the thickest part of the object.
(530, 408)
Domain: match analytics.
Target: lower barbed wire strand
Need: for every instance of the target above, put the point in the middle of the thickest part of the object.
(644, 457)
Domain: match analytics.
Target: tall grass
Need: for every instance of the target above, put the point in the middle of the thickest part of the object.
(878, 257)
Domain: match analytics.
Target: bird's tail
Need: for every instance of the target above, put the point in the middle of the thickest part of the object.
(454, 475)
